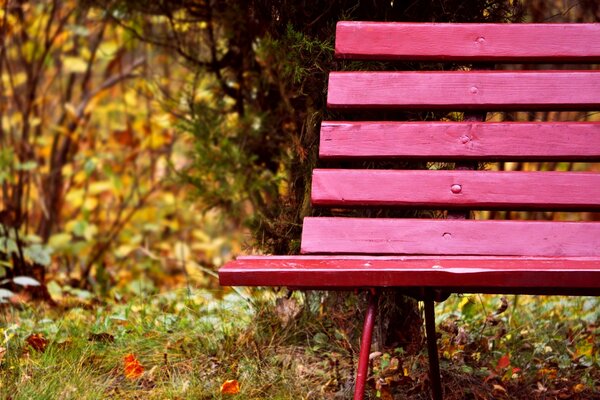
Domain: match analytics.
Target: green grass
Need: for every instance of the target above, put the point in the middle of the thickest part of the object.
(190, 343)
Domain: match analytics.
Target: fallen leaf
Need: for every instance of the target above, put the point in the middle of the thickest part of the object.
(499, 388)
(230, 387)
(385, 394)
(549, 373)
(580, 387)
(504, 361)
(133, 368)
(503, 306)
(65, 344)
(541, 388)
(148, 380)
(287, 310)
(101, 337)
(37, 341)
(462, 337)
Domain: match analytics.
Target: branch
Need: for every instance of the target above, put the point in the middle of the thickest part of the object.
(107, 84)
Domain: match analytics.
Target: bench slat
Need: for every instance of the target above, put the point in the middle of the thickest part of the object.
(461, 140)
(465, 90)
(456, 188)
(328, 235)
(468, 42)
(479, 274)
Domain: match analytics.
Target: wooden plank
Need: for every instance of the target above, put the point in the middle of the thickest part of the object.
(456, 188)
(477, 274)
(329, 235)
(482, 90)
(461, 140)
(468, 42)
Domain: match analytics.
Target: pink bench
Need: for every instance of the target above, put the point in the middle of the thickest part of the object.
(430, 258)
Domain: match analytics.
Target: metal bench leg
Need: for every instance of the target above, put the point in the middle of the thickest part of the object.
(365, 346)
(432, 350)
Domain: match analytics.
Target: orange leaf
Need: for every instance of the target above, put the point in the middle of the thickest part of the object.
(133, 368)
(37, 341)
(504, 361)
(580, 387)
(230, 387)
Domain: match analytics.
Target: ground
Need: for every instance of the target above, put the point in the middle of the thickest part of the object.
(200, 344)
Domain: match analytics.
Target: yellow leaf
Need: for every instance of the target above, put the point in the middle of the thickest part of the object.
(230, 387)
(71, 111)
(201, 235)
(90, 203)
(80, 177)
(75, 197)
(67, 170)
(99, 187)
(162, 120)
(107, 49)
(60, 240)
(181, 251)
(124, 250)
(16, 79)
(90, 232)
(74, 64)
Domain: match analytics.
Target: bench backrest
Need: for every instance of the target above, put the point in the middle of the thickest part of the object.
(478, 90)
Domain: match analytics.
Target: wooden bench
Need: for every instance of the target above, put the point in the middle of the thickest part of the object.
(430, 258)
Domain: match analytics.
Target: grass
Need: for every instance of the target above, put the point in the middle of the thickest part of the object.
(189, 343)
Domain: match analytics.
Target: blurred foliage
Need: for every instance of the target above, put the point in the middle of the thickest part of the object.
(86, 156)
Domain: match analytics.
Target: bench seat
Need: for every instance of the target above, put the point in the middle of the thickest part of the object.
(457, 274)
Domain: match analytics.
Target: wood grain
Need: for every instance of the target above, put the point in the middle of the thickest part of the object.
(460, 90)
(468, 42)
(456, 188)
(461, 140)
(463, 274)
(329, 235)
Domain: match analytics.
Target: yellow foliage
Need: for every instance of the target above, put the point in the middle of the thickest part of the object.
(124, 250)
(75, 197)
(60, 240)
(90, 203)
(101, 186)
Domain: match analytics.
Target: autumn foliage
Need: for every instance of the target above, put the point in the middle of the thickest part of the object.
(132, 368)
(230, 387)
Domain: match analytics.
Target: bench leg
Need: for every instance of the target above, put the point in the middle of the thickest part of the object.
(365, 346)
(432, 350)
